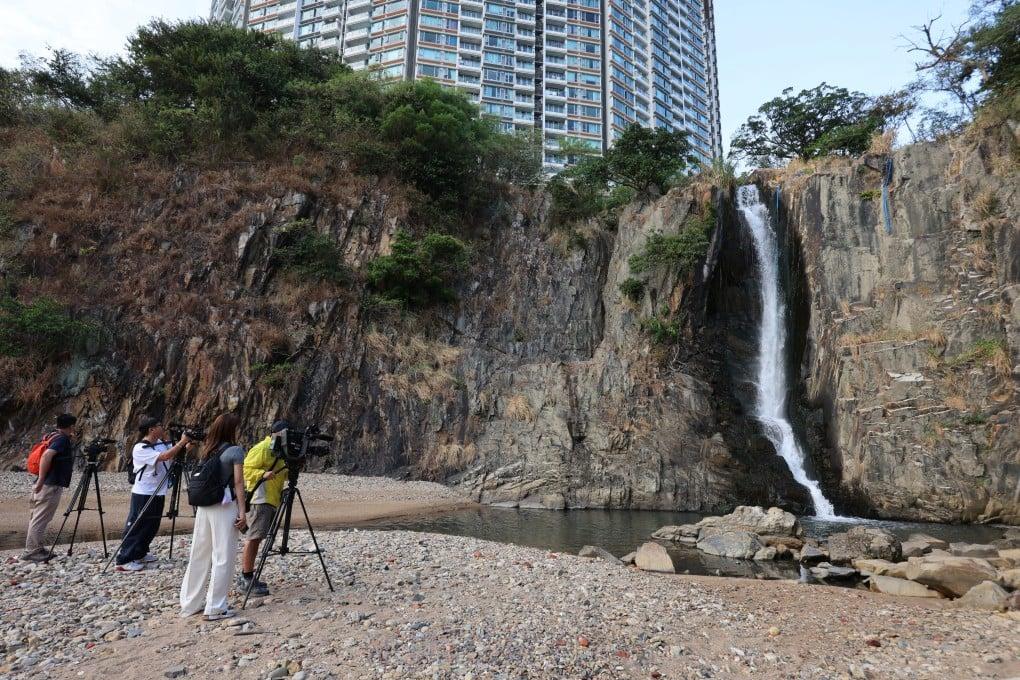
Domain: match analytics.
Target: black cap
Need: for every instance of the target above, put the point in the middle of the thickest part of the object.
(147, 423)
(65, 420)
(280, 425)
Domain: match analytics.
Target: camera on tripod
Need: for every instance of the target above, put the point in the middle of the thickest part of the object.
(95, 449)
(195, 434)
(295, 445)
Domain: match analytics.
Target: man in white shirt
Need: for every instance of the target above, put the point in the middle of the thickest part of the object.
(150, 461)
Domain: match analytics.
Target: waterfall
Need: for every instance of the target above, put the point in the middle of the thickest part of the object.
(770, 402)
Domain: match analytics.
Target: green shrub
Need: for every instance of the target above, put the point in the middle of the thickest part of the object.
(871, 194)
(41, 328)
(633, 289)
(310, 255)
(681, 251)
(981, 350)
(274, 375)
(418, 272)
(661, 329)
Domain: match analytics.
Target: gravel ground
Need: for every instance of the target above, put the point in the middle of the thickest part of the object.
(411, 605)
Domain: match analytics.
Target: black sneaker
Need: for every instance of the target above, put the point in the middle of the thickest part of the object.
(258, 590)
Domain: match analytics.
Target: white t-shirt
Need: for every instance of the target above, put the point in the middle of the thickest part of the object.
(149, 480)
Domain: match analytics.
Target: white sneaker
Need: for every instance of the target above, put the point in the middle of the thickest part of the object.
(131, 566)
(149, 559)
(227, 614)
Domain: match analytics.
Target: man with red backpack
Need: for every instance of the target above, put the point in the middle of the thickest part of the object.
(55, 466)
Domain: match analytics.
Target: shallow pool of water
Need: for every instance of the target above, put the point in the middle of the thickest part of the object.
(621, 531)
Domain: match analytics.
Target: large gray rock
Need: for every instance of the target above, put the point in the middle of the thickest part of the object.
(921, 544)
(987, 595)
(973, 550)
(684, 533)
(901, 587)
(864, 541)
(810, 554)
(756, 520)
(597, 553)
(952, 576)
(725, 542)
(765, 554)
(1010, 578)
(653, 557)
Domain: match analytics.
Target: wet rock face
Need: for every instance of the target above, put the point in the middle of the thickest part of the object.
(912, 352)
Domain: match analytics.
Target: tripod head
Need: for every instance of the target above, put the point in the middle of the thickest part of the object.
(95, 449)
(296, 446)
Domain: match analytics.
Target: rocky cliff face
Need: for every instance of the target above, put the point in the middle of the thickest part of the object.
(539, 388)
(911, 354)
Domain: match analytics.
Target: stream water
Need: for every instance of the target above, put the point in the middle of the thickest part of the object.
(771, 380)
(621, 531)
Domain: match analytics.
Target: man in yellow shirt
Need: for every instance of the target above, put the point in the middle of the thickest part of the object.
(264, 477)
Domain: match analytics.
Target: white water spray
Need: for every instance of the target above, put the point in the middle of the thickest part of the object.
(770, 405)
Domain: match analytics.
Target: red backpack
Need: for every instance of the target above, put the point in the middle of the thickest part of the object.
(35, 455)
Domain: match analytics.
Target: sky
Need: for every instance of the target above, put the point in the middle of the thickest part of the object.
(763, 46)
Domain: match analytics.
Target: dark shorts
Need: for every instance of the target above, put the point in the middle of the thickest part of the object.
(259, 518)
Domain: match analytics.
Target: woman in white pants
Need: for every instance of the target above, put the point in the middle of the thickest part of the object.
(214, 542)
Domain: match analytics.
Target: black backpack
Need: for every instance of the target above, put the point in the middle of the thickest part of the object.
(206, 483)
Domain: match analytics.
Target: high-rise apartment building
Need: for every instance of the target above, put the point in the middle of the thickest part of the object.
(577, 69)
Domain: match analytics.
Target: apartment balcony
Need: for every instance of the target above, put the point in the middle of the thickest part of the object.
(287, 9)
(355, 52)
(355, 21)
(475, 66)
(356, 6)
(357, 36)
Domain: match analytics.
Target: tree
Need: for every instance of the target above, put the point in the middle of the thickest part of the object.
(978, 59)
(816, 122)
(642, 158)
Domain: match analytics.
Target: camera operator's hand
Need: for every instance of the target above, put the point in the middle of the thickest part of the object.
(241, 524)
(269, 475)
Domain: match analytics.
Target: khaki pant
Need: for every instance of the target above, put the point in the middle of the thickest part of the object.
(44, 506)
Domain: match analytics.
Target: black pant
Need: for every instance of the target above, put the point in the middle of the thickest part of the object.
(142, 528)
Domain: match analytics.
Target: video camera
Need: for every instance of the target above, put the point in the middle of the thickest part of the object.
(294, 445)
(96, 448)
(195, 434)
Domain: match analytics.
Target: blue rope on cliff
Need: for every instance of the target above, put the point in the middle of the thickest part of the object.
(886, 181)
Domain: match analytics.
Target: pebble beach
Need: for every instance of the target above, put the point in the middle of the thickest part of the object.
(412, 605)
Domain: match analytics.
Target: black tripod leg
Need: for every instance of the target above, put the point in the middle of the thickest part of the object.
(267, 546)
(175, 499)
(318, 551)
(135, 523)
(99, 506)
(82, 498)
(67, 513)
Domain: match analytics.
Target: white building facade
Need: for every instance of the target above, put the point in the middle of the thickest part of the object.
(576, 69)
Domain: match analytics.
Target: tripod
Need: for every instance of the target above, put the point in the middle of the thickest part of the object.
(174, 475)
(283, 517)
(89, 476)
